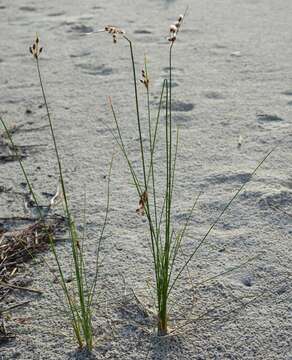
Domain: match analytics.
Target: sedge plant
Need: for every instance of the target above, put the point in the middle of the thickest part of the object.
(79, 298)
(165, 240)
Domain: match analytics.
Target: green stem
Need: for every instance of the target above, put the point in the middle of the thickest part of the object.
(91, 293)
(137, 111)
(147, 208)
(72, 229)
(151, 167)
(73, 310)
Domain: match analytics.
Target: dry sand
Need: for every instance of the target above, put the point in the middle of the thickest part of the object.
(233, 70)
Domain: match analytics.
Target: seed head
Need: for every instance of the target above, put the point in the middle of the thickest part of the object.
(35, 49)
(145, 79)
(174, 29)
(114, 31)
(142, 203)
(172, 37)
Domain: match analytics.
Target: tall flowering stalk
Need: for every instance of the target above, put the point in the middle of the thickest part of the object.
(82, 315)
(164, 243)
(165, 240)
(79, 299)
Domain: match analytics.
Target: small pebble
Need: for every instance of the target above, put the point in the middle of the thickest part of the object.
(68, 279)
(247, 281)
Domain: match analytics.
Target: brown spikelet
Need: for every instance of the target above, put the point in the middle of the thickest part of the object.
(174, 29)
(142, 202)
(35, 50)
(145, 79)
(114, 31)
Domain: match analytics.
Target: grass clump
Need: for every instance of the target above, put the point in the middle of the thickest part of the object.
(165, 240)
(80, 296)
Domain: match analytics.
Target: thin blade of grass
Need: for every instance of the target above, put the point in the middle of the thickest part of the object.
(221, 214)
(92, 290)
(180, 238)
(74, 311)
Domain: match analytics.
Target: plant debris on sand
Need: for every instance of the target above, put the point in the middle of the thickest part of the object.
(19, 246)
(16, 247)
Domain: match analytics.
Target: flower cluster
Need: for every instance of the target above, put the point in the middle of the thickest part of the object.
(35, 49)
(174, 29)
(114, 31)
(142, 203)
(145, 79)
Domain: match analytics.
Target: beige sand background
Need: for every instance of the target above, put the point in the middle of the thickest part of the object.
(233, 71)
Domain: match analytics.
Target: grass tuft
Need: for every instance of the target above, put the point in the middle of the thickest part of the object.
(79, 298)
(165, 241)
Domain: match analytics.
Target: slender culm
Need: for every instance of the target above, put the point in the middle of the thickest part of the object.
(165, 241)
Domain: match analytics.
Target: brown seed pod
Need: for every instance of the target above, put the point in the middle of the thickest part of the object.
(173, 28)
(142, 203)
(35, 50)
(113, 31)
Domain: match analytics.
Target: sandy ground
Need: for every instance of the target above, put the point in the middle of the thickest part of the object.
(233, 71)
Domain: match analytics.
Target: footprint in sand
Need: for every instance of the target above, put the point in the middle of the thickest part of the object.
(81, 29)
(182, 106)
(266, 118)
(95, 70)
(288, 93)
(27, 8)
(213, 95)
(142, 32)
(55, 14)
(223, 178)
(280, 199)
